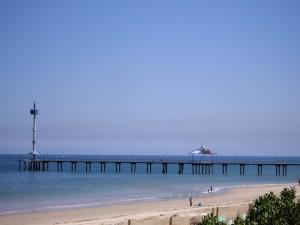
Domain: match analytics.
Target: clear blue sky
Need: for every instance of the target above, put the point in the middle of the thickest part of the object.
(151, 77)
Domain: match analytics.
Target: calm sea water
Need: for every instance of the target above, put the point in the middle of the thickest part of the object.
(33, 191)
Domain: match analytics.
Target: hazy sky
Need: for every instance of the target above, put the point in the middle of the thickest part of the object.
(151, 77)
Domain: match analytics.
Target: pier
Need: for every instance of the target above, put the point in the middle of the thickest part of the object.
(199, 167)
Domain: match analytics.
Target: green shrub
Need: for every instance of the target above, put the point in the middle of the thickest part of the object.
(210, 220)
(239, 221)
(272, 210)
(268, 209)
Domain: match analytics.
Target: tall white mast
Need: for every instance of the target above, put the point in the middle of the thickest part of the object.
(34, 112)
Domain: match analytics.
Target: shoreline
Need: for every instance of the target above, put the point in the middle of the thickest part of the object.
(216, 191)
(157, 210)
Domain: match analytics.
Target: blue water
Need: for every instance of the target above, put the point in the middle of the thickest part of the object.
(35, 191)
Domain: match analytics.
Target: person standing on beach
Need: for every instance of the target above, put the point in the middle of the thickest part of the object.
(191, 201)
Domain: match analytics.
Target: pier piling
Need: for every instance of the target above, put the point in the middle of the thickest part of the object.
(133, 167)
(118, 167)
(165, 168)
(242, 169)
(259, 169)
(180, 168)
(102, 167)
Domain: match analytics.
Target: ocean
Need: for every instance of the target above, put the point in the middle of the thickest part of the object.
(25, 191)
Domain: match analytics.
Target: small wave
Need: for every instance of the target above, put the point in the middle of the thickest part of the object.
(13, 212)
(214, 190)
(257, 185)
(223, 188)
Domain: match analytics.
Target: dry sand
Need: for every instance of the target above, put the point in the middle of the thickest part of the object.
(148, 213)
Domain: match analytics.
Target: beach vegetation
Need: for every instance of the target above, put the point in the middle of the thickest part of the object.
(268, 209)
(239, 220)
(210, 220)
(275, 210)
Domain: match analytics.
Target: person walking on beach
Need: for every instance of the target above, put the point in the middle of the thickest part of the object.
(211, 188)
(191, 201)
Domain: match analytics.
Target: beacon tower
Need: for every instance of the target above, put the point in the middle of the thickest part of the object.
(34, 112)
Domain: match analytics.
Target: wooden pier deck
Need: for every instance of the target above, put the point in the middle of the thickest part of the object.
(197, 166)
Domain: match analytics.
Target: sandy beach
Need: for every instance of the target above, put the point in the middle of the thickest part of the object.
(173, 211)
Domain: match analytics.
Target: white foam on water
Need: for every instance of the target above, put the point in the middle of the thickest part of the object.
(14, 212)
(222, 188)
